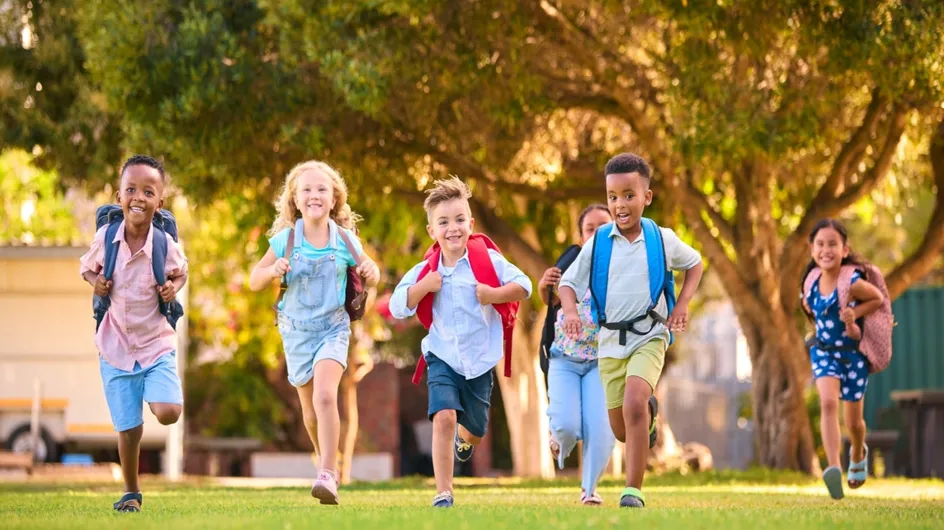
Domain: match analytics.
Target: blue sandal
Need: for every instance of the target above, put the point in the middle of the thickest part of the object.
(129, 502)
(833, 479)
(858, 471)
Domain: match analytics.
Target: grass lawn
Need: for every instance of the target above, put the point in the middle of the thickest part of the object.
(725, 500)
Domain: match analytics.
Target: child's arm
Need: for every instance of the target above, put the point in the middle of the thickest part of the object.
(572, 323)
(681, 256)
(868, 298)
(575, 279)
(510, 292)
(431, 283)
(177, 273)
(92, 263)
(409, 292)
(679, 317)
(515, 285)
(368, 268)
(96, 280)
(550, 278)
(269, 268)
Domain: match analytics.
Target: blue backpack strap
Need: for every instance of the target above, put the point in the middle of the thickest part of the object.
(600, 271)
(172, 310)
(661, 279)
(100, 304)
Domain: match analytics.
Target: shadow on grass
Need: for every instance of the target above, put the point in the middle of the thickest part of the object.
(156, 483)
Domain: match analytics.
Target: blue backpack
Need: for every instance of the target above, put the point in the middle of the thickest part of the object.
(164, 224)
(661, 280)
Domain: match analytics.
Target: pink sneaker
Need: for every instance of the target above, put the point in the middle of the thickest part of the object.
(325, 488)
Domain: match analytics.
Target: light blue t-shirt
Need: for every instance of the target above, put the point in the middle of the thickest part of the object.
(343, 258)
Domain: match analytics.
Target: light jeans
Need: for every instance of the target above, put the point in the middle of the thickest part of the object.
(577, 411)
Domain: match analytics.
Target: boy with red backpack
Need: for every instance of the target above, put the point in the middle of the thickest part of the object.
(466, 294)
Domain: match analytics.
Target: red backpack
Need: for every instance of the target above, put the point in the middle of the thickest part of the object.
(876, 342)
(484, 272)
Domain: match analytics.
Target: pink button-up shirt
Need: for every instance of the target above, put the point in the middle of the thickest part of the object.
(133, 328)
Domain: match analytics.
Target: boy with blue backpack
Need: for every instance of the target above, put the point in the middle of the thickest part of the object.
(137, 267)
(627, 266)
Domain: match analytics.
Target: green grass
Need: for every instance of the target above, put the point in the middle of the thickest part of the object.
(725, 500)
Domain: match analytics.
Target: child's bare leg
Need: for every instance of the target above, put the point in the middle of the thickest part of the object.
(444, 429)
(325, 395)
(306, 397)
(856, 425)
(636, 418)
(166, 413)
(828, 388)
(129, 449)
(617, 424)
(469, 437)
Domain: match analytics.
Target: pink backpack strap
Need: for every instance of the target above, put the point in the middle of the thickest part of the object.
(811, 278)
(845, 284)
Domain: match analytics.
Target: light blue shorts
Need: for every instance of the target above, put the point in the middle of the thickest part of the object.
(308, 342)
(126, 392)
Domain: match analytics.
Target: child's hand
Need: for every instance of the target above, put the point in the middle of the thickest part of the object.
(550, 279)
(854, 332)
(369, 271)
(485, 294)
(280, 267)
(572, 325)
(102, 286)
(678, 319)
(847, 315)
(432, 282)
(168, 291)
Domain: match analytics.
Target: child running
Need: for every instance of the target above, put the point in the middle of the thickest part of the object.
(577, 409)
(466, 334)
(135, 337)
(633, 311)
(840, 369)
(312, 253)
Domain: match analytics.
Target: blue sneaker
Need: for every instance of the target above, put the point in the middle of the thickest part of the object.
(463, 448)
(443, 500)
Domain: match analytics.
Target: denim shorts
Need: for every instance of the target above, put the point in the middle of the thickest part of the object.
(308, 342)
(126, 392)
(470, 398)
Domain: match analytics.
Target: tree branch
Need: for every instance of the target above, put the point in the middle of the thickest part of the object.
(852, 151)
(924, 258)
(792, 258)
(526, 257)
(693, 194)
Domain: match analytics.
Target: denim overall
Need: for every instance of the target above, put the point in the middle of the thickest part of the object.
(313, 322)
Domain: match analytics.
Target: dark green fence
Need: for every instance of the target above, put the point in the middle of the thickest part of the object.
(918, 354)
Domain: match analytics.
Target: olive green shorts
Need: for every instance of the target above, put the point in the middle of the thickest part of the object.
(645, 363)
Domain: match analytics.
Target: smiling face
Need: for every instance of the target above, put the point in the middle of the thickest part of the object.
(627, 195)
(314, 195)
(593, 220)
(828, 249)
(450, 225)
(140, 194)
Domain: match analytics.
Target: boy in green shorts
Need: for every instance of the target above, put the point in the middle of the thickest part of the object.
(635, 333)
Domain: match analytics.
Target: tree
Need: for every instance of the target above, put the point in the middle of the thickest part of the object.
(758, 118)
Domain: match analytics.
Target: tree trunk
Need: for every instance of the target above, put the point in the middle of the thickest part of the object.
(296, 436)
(525, 398)
(780, 371)
(360, 364)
